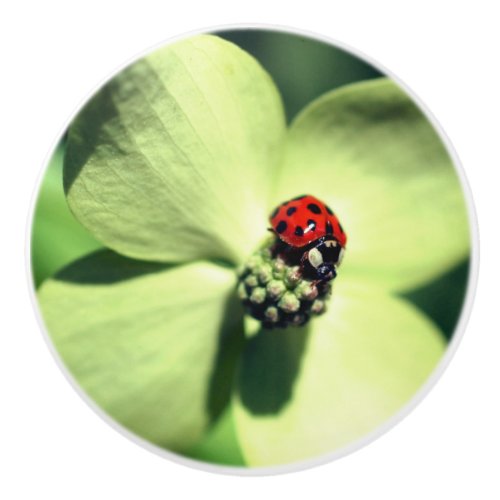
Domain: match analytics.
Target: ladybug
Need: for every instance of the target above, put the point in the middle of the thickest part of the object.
(308, 227)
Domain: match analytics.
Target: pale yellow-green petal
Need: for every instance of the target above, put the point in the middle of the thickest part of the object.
(171, 160)
(153, 345)
(370, 153)
(311, 391)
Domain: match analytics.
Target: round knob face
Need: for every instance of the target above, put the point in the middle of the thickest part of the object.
(251, 249)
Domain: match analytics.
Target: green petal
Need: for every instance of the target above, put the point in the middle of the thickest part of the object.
(170, 160)
(57, 238)
(371, 154)
(153, 345)
(311, 391)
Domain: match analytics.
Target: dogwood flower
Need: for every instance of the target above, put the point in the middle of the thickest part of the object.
(174, 165)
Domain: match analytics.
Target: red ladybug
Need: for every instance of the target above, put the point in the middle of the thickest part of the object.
(306, 223)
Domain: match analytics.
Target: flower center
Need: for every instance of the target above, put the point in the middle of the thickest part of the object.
(286, 282)
(276, 288)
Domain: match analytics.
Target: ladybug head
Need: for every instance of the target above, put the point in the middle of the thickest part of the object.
(324, 257)
(326, 272)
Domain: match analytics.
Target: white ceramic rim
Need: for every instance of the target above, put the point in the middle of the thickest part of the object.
(424, 389)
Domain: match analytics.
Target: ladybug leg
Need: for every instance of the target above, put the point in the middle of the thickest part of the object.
(303, 262)
(304, 271)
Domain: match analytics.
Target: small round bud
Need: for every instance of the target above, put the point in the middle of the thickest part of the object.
(276, 289)
(265, 273)
(293, 276)
(306, 291)
(251, 281)
(258, 295)
(266, 253)
(299, 319)
(279, 267)
(289, 302)
(272, 314)
(254, 261)
(318, 306)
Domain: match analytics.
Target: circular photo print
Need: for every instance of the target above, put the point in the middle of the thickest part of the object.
(251, 249)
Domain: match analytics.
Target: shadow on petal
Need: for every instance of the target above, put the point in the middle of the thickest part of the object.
(99, 111)
(269, 367)
(364, 360)
(443, 298)
(105, 266)
(230, 344)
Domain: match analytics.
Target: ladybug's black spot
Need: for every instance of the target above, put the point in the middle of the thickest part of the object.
(291, 211)
(311, 224)
(328, 227)
(329, 210)
(314, 208)
(299, 231)
(299, 197)
(281, 227)
(275, 212)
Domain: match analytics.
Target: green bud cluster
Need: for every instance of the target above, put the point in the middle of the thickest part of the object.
(275, 292)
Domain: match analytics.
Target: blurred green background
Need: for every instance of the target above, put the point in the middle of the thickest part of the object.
(303, 69)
